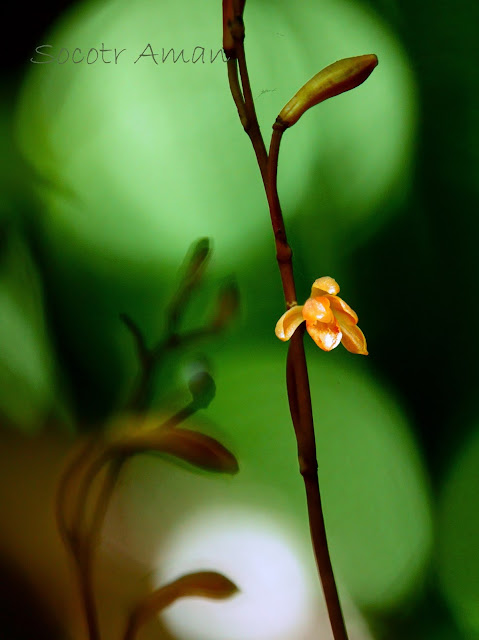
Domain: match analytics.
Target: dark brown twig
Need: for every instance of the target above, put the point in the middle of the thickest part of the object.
(296, 371)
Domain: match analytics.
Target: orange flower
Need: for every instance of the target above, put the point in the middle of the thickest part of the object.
(329, 320)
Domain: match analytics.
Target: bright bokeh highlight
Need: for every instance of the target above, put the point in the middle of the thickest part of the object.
(274, 602)
(278, 599)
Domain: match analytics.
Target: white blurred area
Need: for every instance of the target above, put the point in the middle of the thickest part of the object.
(279, 597)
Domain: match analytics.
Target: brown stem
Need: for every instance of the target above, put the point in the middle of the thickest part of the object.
(65, 485)
(71, 533)
(301, 412)
(236, 92)
(84, 567)
(284, 255)
(296, 371)
(104, 498)
(251, 126)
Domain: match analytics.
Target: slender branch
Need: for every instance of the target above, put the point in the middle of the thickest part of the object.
(85, 578)
(301, 408)
(284, 255)
(71, 534)
(236, 92)
(180, 416)
(252, 125)
(104, 498)
(64, 485)
(89, 476)
(141, 348)
(300, 402)
(296, 370)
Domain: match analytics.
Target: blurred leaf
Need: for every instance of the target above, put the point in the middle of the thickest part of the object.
(204, 584)
(193, 447)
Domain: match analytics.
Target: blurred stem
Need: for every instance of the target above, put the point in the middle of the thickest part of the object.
(296, 372)
(111, 478)
(139, 397)
(88, 545)
(79, 539)
(65, 485)
(71, 534)
(150, 360)
(84, 567)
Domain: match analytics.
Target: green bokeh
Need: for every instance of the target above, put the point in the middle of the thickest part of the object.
(151, 157)
(28, 380)
(458, 536)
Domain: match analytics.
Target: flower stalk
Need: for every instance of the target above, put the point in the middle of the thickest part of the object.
(335, 79)
(299, 398)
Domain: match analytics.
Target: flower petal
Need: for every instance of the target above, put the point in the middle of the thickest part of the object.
(323, 285)
(289, 322)
(338, 305)
(326, 336)
(318, 310)
(353, 339)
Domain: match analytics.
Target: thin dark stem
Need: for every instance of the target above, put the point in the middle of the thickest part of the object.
(284, 255)
(89, 476)
(103, 500)
(252, 125)
(64, 485)
(146, 361)
(296, 371)
(131, 629)
(179, 417)
(88, 544)
(301, 409)
(72, 536)
(85, 577)
(236, 90)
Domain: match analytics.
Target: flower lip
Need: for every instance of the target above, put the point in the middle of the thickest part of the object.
(317, 309)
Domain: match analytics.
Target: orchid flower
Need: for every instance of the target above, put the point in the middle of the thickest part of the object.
(329, 320)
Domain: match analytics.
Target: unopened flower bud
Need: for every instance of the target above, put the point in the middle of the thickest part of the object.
(337, 78)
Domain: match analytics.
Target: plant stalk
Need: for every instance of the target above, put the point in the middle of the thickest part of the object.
(297, 373)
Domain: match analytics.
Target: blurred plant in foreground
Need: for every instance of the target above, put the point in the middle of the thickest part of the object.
(89, 480)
